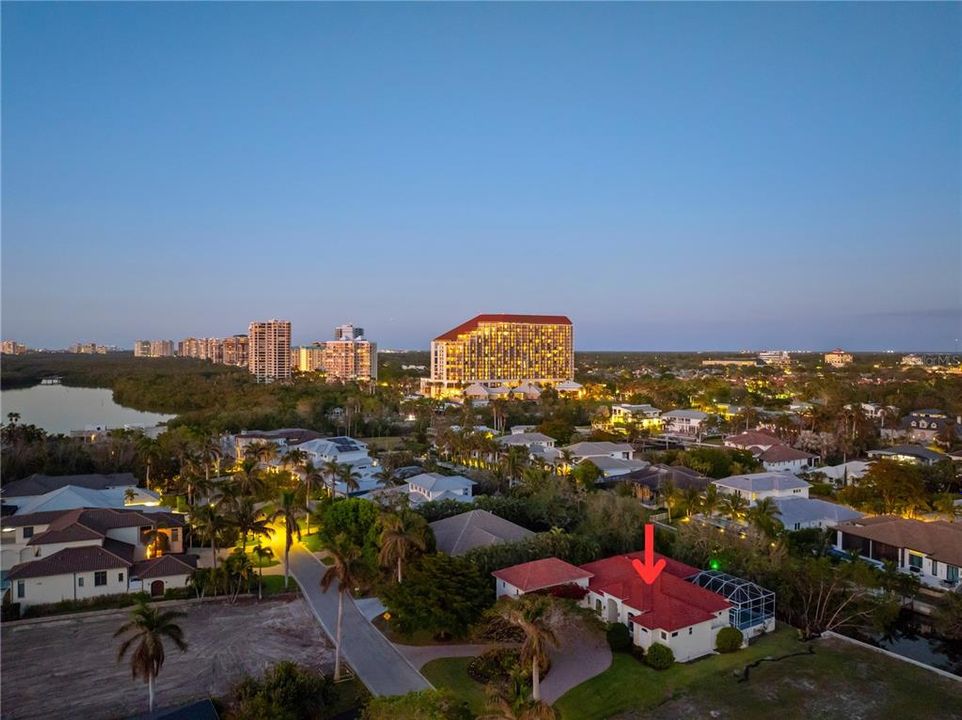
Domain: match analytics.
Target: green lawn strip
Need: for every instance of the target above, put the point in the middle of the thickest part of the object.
(274, 585)
(452, 673)
(628, 684)
(312, 542)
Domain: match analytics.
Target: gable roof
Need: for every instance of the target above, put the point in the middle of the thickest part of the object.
(753, 437)
(69, 560)
(541, 574)
(41, 484)
(916, 451)
(939, 540)
(435, 482)
(93, 523)
(474, 322)
(686, 413)
(458, 534)
(526, 438)
(163, 566)
(589, 449)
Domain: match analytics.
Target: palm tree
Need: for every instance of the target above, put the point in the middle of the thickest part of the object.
(508, 701)
(350, 477)
(149, 450)
(667, 492)
(692, 501)
(312, 474)
(210, 453)
(332, 469)
(208, 522)
(734, 506)
(148, 627)
(531, 614)
(262, 554)
(710, 500)
(288, 510)
(346, 568)
(402, 535)
(294, 458)
(568, 460)
(515, 461)
(249, 520)
(249, 478)
(764, 516)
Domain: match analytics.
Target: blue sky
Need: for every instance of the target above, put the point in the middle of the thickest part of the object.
(671, 176)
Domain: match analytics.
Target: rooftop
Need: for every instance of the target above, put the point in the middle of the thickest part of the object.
(763, 482)
(41, 484)
(541, 574)
(939, 540)
(458, 534)
(807, 510)
(476, 321)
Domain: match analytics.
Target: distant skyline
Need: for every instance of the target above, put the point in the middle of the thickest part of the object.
(671, 176)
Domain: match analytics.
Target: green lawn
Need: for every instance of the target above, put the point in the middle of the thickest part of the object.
(274, 585)
(312, 542)
(839, 680)
(452, 673)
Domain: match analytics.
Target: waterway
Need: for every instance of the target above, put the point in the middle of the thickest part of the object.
(60, 409)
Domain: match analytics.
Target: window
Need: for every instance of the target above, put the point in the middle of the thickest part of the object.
(28, 532)
(21, 589)
(915, 562)
(175, 534)
(690, 630)
(120, 577)
(935, 568)
(80, 582)
(664, 635)
(951, 573)
(100, 577)
(675, 634)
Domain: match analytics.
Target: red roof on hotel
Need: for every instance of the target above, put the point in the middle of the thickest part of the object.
(670, 603)
(540, 574)
(473, 323)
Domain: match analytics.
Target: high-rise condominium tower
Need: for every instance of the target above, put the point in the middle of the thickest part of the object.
(269, 348)
(502, 350)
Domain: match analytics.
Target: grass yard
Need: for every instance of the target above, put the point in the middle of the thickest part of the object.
(312, 542)
(274, 585)
(452, 673)
(839, 680)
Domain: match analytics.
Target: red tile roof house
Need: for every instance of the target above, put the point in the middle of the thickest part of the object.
(670, 611)
(92, 552)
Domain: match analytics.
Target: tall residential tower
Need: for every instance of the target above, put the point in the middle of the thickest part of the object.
(269, 350)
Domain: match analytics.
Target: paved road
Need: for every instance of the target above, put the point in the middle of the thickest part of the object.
(380, 666)
(582, 654)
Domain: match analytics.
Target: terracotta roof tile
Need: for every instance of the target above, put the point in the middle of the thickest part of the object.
(540, 574)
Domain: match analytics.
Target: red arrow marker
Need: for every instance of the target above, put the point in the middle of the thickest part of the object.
(649, 570)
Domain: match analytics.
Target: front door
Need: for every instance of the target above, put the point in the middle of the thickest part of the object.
(157, 588)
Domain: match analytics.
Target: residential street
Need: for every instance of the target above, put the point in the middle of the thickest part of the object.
(380, 666)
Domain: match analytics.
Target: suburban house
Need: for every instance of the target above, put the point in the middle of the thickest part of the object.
(773, 454)
(908, 453)
(614, 467)
(458, 534)
(932, 551)
(84, 553)
(70, 497)
(284, 439)
(527, 440)
(798, 513)
(675, 610)
(23, 492)
(428, 487)
(650, 480)
(922, 426)
(845, 473)
(757, 486)
(643, 417)
(685, 422)
(586, 450)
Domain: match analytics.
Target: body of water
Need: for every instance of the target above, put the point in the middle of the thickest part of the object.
(913, 638)
(60, 409)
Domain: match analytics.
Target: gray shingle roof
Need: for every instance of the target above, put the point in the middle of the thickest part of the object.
(40, 484)
(763, 482)
(458, 534)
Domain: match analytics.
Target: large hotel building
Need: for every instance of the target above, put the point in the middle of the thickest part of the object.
(269, 350)
(501, 351)
(348, 358)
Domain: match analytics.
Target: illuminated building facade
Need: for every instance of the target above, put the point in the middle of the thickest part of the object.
(234, 351)
(154, 348)
(501, 350)
(269, 347)
(348, 358)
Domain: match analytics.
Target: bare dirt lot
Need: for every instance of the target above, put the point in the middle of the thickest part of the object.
(68, 667)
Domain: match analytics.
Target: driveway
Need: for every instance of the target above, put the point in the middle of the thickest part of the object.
(378, 664)
(582, 654)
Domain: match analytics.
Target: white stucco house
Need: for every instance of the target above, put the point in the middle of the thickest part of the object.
(428, 487)
(685, 421)
(757, 486)
(798, 513)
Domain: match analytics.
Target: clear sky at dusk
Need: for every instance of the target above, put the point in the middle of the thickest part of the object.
(670, 176)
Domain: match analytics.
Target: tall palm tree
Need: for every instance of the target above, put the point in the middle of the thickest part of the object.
(148, 627)
(667, 492)
(288, 510)
(710, 500)
(294, 458)
(249, 479)
(149, 450)
(262, 554)
(734, 506)
(508, 701)
(764, 516)
(210, 453)
(249, 520)
(531, 614)
(346, 568)
(312, 475)
(331, 470)
(402, 535)
(515, 462)
(692, 501)
(208, 521)
(349, 476)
